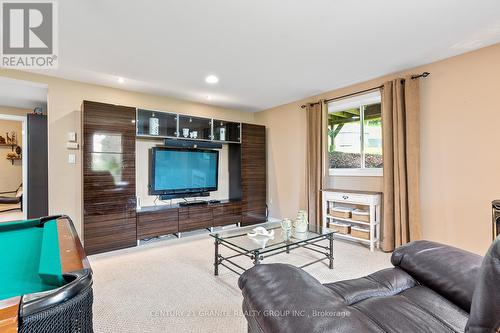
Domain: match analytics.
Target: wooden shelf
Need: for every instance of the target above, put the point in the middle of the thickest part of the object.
(367, 241)
(350, 220)
(11, 145)
(12, 159)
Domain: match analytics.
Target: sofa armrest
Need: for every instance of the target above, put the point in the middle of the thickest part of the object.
(447, 270)
(8, 192)
(283, 298)
(485, 309)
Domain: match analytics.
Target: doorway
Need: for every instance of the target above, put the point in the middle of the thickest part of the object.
(23, 149)
(13, 169)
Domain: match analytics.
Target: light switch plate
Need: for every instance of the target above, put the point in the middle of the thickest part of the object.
(71, 136)
(72, 145)
(72, 159)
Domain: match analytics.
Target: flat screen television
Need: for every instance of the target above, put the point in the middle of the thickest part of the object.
(178, 173)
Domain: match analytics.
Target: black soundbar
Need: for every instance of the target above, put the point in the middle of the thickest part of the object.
(193, 203)
(176, 143)
(183, 195)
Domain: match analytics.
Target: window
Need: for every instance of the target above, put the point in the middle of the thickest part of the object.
(355, 136)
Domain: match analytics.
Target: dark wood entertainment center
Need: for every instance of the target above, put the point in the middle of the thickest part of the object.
(111, 220)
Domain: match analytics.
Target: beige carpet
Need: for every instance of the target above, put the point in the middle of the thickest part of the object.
(169, 286)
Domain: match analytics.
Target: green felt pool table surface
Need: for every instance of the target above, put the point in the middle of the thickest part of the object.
(29, 258)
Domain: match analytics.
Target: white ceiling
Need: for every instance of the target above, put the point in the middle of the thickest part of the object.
(22, 94)
(265, 52)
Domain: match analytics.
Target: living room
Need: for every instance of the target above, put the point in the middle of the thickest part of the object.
(223, 175)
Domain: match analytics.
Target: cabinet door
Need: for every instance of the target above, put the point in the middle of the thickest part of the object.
(227, 213)
(157, 223)
(109, 214)
(155, 123)
(192, 218)
(253, 174)
(226, 131)
(195, 128)
(38, 195)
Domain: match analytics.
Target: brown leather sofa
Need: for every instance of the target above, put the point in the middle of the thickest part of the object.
(431, 288)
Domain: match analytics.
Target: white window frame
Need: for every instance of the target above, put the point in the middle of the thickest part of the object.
(360, 101)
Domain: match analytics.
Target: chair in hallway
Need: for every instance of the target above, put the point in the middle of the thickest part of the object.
(11, 198)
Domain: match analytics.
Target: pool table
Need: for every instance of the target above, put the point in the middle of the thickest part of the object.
(45, 277)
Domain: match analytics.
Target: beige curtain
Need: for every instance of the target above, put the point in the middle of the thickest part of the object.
(401, 146)
(315, 159)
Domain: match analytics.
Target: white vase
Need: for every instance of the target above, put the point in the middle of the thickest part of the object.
(301, 224)
(154, 126)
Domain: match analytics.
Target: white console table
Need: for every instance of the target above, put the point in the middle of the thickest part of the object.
(366, 200)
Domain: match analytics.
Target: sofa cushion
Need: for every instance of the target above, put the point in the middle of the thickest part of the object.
(448, 313)
(447, 270)
(386, 282)
(485, 309)
(399, 314)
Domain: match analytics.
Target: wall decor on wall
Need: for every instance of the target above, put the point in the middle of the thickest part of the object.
(11, 141)
(11, 138)
(15, 155)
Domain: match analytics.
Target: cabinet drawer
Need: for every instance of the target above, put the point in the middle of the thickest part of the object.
(226, 220)
(157, 223)
(192, 218)
(352, 198)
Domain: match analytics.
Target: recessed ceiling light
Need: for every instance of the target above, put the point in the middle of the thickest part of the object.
(212, 79)
(121, 80)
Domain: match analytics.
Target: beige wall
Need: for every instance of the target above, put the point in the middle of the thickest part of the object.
(11, 175)
(459, 149)
(286, 150)
(64, 101)
(14, 111)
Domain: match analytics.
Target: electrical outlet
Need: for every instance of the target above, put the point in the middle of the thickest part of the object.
(72, 159)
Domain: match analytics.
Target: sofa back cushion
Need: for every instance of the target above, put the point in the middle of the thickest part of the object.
(447, 270)
(485, 309)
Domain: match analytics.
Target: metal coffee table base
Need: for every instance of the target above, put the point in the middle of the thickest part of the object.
(258, 255)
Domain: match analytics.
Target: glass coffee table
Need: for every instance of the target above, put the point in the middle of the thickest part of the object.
(259, 247)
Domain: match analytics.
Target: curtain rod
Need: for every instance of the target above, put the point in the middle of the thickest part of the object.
(413, 77)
